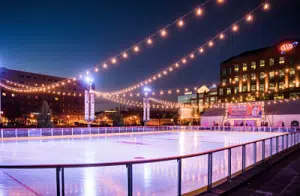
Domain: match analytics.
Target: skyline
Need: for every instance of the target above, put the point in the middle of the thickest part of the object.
(63, 38)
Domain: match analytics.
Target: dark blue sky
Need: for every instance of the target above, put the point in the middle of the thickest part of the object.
(63, 38)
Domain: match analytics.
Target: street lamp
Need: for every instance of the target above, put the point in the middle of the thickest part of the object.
(146, 105)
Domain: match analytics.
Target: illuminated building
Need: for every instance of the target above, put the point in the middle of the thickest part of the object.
(65, 101)
(269, 73)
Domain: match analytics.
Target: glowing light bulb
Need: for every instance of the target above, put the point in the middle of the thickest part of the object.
(220, 1)
(96, 69)
(199, 11)
(177, 65)
(136, 49)
(249, 18)
(266, 6)
(125, 55)
(192, 56)
(221, 36)
(180, 23)
(184, 61)
(104, 65)
(163, 33)
(149, 41)
(235, 28)
(211, 44)
(113, 60)
(201, 50)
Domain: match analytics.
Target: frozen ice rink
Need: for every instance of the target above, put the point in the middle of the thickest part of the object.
(148, 179)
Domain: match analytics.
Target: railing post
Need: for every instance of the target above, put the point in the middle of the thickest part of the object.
(271, 147)
(287, 141)
(51, 132)
(62, 181)
(229, 164)
(254, 153)
(16, 133)
(243, 158)
(282, 137)
(1, 133)
(210, 171)
(28, 133)
(129, 179)
(277, 144)
(57, 181)
(119, 130)
(263, 146)
(72, 131)
(62, 131)
(295, 134)
(179, 165)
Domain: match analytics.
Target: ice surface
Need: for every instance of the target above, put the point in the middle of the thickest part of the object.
(148, 179)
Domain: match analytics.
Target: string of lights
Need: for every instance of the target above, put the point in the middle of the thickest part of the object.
(234, 28)
(172, 104)
(135, 48)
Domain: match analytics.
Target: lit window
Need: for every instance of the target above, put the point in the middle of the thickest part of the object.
(262, 75)
(292, 84)
(281, 73)
(236, 68)
(3, 94)
(228, 92)
(245, 66)
(221, 91)
(236, 90)
(271, 86)
(262, 87)
(253, 88)
(244, 76)
(253, 76)
(292, 72)
(281, 60)
(236, 78)
(271, 62)
(262, 63)
(244, 88)
(56, 98)
(224, 81)
(253, 65)
(281, 85)
(271, 74)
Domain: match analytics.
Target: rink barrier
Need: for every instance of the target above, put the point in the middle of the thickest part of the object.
(289, 140)
(42, 132)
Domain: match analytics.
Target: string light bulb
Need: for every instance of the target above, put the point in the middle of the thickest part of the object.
(184, 61)
(136, 49)
(199, 11)
(201, 50)
(211, 44)
(221, 36)
(113, 60)
(149, 41)
(192, 56)
(96, 69)
(125, 55)
(266, 6)
(104, 65)
(235, 28)
(249, 18)
(220, 1)
(163, 33)
(180, 23)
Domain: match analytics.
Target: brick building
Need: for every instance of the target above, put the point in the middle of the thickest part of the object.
(269, 73)
(66, 103)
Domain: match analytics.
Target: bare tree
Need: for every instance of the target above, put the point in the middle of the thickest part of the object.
(44, 117)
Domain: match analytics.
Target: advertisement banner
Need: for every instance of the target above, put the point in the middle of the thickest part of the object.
(249, 110)
(86, 105)
(92, 106)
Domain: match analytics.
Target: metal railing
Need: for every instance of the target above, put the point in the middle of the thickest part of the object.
(33, 132)
(288, 140)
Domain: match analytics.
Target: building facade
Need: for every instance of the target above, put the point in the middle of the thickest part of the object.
(66, 102)
(270, 73)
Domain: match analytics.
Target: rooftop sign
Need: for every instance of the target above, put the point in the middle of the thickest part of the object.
(286, 47)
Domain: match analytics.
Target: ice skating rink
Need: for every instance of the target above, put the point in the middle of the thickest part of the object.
(148, 179)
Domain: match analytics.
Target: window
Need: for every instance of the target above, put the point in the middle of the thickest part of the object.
(253, 65)
(262, 75)
(229, 71)
(271, 62)
(292, 72)
(292, 84)
(281, 85)
(228, 92)
(262, 63)
(236, 78)
(253, 88)
(3, 94)
(221, 91)
(281, 73)
(224, 72)
(262, 87)
(236, 90)
(281, 60)
(245, 66)
(245, 89)
(271, 86)
(271, 74)
(236, 68)
(244, 77)
(224, 81)
(253, 76)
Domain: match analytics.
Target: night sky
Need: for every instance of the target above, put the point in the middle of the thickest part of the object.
(64, 38)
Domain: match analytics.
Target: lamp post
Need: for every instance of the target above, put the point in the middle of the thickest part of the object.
(89, 101)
